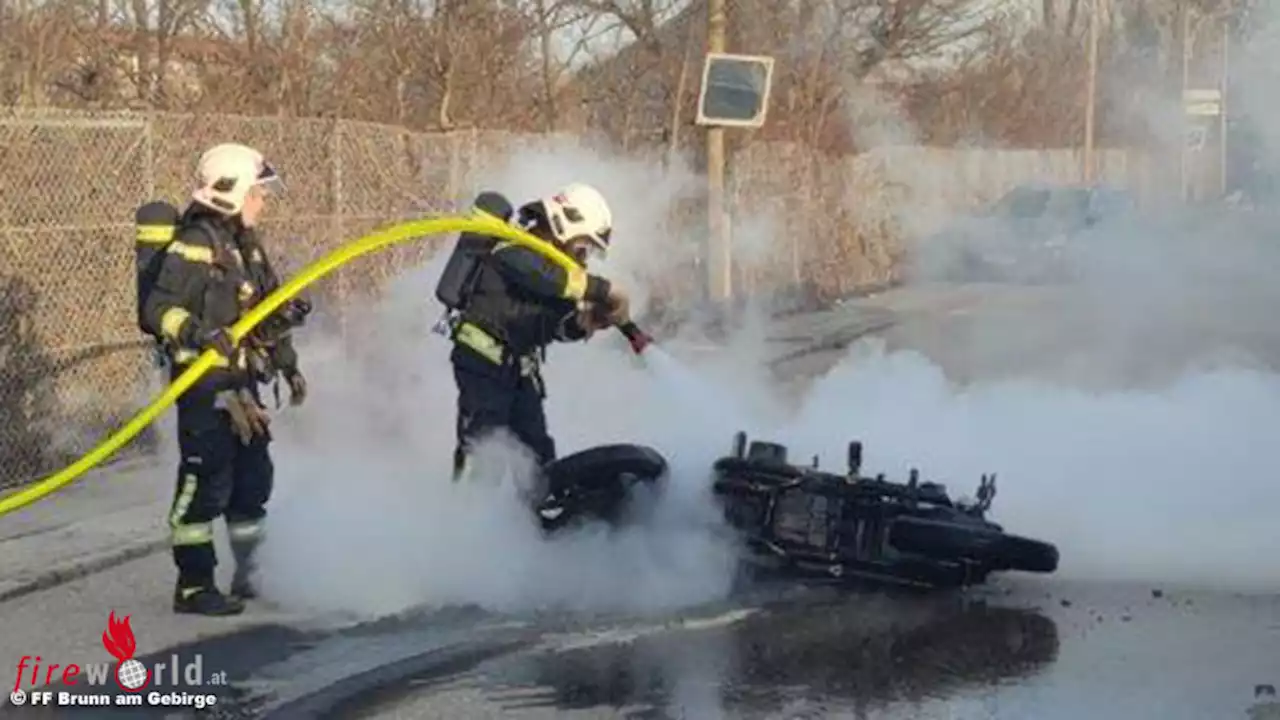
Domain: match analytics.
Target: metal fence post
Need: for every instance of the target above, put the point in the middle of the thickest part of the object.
(335, 150)
(455, 167)
(149, 155)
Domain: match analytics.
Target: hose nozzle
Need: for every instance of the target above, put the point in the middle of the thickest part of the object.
(638, 338)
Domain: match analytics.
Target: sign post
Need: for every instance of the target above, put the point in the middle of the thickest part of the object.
(734, 94)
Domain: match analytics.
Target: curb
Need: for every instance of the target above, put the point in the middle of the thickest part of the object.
(387, 682)
(112, 466)
(836, 341)
(1265, 711)
(81, 569)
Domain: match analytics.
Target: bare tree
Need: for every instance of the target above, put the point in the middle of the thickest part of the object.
(624, 67)
(629, 91)
(155, 24)
(561, 23)
(38, 38)
(392, 35)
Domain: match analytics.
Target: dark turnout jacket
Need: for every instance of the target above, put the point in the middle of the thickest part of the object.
(526, 301)
(212, 273)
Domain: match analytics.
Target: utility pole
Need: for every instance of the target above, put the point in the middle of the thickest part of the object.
(1091, 96)
(1222, 117)
(719, 252)
(1185, 8)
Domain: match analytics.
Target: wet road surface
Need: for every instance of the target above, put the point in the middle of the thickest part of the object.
(1023, 647)
(1057, 650)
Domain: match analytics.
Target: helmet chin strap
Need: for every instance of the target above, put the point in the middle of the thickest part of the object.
(581, 249)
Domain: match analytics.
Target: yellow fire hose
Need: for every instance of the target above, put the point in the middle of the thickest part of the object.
(479, 222)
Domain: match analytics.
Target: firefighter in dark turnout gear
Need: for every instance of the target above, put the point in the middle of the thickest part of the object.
(520, 302)
(211, 273)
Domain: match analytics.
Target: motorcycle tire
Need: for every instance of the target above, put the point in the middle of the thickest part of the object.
(997, 550)
(1013, 552)
(598, 482)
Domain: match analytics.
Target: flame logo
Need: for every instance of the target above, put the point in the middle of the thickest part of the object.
(118, 638)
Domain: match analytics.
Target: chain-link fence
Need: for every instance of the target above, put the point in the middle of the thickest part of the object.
(840, 223)
(73, 365)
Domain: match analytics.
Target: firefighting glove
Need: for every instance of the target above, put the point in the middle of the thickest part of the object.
(259, 363)
(619, 306)
(248, 418)
(589, 317)
(218, 339)
(296, 311)
(297, 387)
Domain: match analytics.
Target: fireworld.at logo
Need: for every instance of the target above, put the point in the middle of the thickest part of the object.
(127, 672)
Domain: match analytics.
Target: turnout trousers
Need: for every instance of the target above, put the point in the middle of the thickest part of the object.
(494, 395)
(218, 476)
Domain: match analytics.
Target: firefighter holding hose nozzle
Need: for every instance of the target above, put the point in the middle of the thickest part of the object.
(196, 278)
(507, 302)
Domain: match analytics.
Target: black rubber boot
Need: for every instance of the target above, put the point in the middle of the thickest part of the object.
(205, 600)
(243, 588)
(242, 585)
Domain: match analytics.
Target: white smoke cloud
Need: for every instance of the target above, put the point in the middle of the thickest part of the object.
(1162, 480)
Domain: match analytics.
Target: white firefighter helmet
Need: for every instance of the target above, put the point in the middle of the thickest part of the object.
(580, 211)
(226, 172)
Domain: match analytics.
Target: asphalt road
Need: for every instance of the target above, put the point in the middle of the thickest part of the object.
(1044, 650)
(1017, 649)
(1026, 647)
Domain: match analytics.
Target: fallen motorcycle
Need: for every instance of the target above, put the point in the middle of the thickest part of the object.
(802, 521)
(806, 521)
